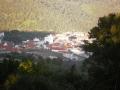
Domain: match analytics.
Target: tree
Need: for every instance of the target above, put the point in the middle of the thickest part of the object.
(104, 62)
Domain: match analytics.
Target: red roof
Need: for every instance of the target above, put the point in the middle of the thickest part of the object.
(56, 44)
(58, 48)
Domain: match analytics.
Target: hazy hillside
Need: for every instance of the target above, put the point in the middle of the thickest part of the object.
(57, 15)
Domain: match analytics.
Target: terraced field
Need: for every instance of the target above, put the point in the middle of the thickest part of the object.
(54, 15)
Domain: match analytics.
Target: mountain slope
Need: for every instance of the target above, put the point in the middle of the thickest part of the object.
(54, 15)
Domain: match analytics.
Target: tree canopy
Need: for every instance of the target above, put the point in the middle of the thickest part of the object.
(104, 62)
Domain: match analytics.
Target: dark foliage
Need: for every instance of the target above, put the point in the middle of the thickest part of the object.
(104, 63)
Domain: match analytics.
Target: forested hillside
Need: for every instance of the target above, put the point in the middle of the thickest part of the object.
(19, 36)
(53, 15)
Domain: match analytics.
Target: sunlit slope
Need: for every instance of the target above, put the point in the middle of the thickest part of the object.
(54, 15)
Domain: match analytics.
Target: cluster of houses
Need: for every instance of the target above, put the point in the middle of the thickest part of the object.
(66, 43)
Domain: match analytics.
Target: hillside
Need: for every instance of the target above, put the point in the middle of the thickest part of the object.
(54, 15)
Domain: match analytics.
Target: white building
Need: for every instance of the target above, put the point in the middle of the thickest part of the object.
(70, 56)
(36, 39)
(1, 36)
(49, 39)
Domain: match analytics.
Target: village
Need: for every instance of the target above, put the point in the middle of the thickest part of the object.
(66, 44)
